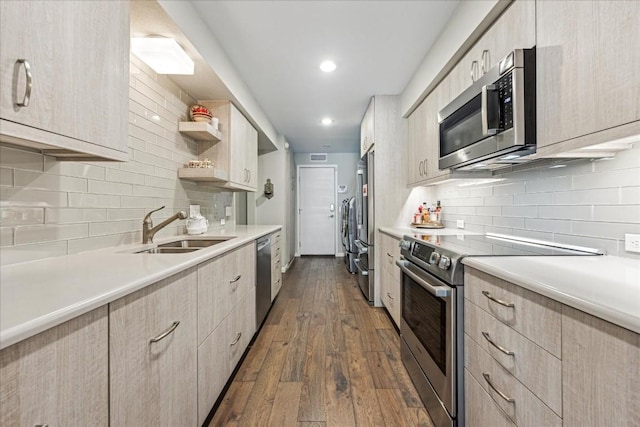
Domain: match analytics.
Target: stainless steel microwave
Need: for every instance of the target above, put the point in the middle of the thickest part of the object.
(492, 124)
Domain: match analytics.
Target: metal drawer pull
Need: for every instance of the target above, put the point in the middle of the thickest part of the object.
(27, 89)
(236, 279)
(487, 378)
(237, 340)
(172, 328)
(388, 254)
(499, 347)
(389, 295)
(494, 299)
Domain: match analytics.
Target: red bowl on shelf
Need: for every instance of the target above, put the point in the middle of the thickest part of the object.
(199, 111)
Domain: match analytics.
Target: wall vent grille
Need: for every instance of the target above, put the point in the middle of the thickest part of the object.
(318, 157)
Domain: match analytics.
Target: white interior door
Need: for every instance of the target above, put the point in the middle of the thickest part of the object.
(317, 210)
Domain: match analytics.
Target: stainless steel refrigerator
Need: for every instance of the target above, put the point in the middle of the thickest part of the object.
(366, 225)
(349, 229)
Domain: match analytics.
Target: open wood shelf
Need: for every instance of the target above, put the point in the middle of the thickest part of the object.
(203, 174)
(200, 131)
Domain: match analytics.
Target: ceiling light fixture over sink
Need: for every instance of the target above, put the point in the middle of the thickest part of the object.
(327, 121)
(164, 55)
(328, 66)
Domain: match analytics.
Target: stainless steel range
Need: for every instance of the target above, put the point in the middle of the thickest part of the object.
(432, 297)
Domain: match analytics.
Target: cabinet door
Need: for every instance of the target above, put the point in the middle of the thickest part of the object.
(417, 147)
(587, 67)
(214, 368)
(600, 371)
(251, 155)
(435, 102)
(367, 128)
(153, 363)
(79, 58)
(59, 377)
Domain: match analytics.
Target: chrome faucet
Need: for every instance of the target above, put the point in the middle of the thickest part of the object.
(148, 230)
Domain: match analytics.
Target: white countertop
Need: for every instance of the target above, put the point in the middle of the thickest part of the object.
(605, 286)
(38, 295)
(398, 232)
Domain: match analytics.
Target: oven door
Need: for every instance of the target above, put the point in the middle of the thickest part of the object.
(428, 326)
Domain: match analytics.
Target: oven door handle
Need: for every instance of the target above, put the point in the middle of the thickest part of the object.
(438, 291)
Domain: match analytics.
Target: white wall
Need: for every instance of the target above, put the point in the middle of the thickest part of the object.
(50, 208)
(347, 165)
(588, 203)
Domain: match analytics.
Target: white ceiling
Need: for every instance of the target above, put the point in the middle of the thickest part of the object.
(277, 46)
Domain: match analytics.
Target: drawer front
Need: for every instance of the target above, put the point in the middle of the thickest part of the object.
(480, 410)
(242, 327)
(222, 282)
(391, 295)
(534, 316)
(390, 252)
(525, 409)
(275, 238)
(536, 368)
(214, 368)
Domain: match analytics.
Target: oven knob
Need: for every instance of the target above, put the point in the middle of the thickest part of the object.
(444, 263)
(434, 258)
(405, 244)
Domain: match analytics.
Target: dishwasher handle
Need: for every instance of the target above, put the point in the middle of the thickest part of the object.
(263, 244)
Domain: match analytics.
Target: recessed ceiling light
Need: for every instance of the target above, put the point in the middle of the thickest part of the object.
(327, 121)
(328, 66)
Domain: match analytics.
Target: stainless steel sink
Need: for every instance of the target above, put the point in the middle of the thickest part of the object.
(194, 243)
(184, 246)
(160, 250)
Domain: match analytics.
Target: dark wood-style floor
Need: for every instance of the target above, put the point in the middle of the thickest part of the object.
(324, 357)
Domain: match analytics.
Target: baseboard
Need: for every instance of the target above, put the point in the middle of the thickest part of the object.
(286, 267)
(340, 255)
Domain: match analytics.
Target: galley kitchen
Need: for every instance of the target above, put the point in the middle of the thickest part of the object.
(320, 213)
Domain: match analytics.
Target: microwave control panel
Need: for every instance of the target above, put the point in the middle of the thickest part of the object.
(505, 95)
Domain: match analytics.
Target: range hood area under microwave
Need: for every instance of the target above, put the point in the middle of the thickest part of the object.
(492, 124)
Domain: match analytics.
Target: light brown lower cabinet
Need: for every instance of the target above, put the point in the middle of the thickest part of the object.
(152, 357)
(276, 265)
(59, 377)
(594, 381)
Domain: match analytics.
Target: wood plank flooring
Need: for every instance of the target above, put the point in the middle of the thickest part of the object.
(323, 358)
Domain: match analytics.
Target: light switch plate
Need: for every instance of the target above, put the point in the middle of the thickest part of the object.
(227, 211)
(632, 242)
(460, 223)
(222, 221)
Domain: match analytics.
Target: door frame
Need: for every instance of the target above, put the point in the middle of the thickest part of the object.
(335, 198)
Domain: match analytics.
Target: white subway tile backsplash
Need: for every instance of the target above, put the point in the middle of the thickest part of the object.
(6, 236)
(74, 215)
(627, 159)
(6, 177)
(46, 181)
(502, 221)
(139, 202)
(520, 211)
(544, 184)
(498, 201)
(106, 187)
(606, 230)
(12, 196)
(47, 233)
(79, 170)
(630, 196)
(23, 159)
(509, 188)
(533, 199)
(610, 179)
(140, 133)
(548, 225)
(99, 242)
(85, 200)
(21, 216)
(24, 253)
(150, 159)
(610, 246)
(565, 212)
(620, 213)
(124, 213)
(122, 176)
(489, 210)
(587, 197)
(113, 227)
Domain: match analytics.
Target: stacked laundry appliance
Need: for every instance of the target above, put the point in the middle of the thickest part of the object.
(349, 233)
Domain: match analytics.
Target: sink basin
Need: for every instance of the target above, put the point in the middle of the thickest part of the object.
(194, 244)
(160, 250)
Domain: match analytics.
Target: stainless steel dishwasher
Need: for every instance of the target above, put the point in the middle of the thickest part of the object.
(263, 279)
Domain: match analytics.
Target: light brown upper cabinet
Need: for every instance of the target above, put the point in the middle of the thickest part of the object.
(75, 58)
(514, 29)
(367, 128)
(588, 88)
(235, 157)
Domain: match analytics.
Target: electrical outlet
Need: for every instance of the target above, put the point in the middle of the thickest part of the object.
(222, 221)
(632, 242)
(460, 223)
(228, 211)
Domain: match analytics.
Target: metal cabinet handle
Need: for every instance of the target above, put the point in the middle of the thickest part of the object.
(236, 278)
(27, 89)
(494, 299)
(171, 328)
(420, 168)
(474, 71)
(487, 378)
(499, 347)
(424, 163)
(389, 295)
(486, 61)
(389, 255)
(236, 340)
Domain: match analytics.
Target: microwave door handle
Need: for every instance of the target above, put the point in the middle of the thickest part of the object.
(489, 94)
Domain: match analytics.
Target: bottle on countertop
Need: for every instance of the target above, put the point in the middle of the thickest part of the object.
(438, 212)
(425, 212)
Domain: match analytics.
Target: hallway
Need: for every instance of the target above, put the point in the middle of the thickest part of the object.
(324, 357)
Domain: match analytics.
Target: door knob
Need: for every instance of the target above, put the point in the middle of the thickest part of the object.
(331, 216)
